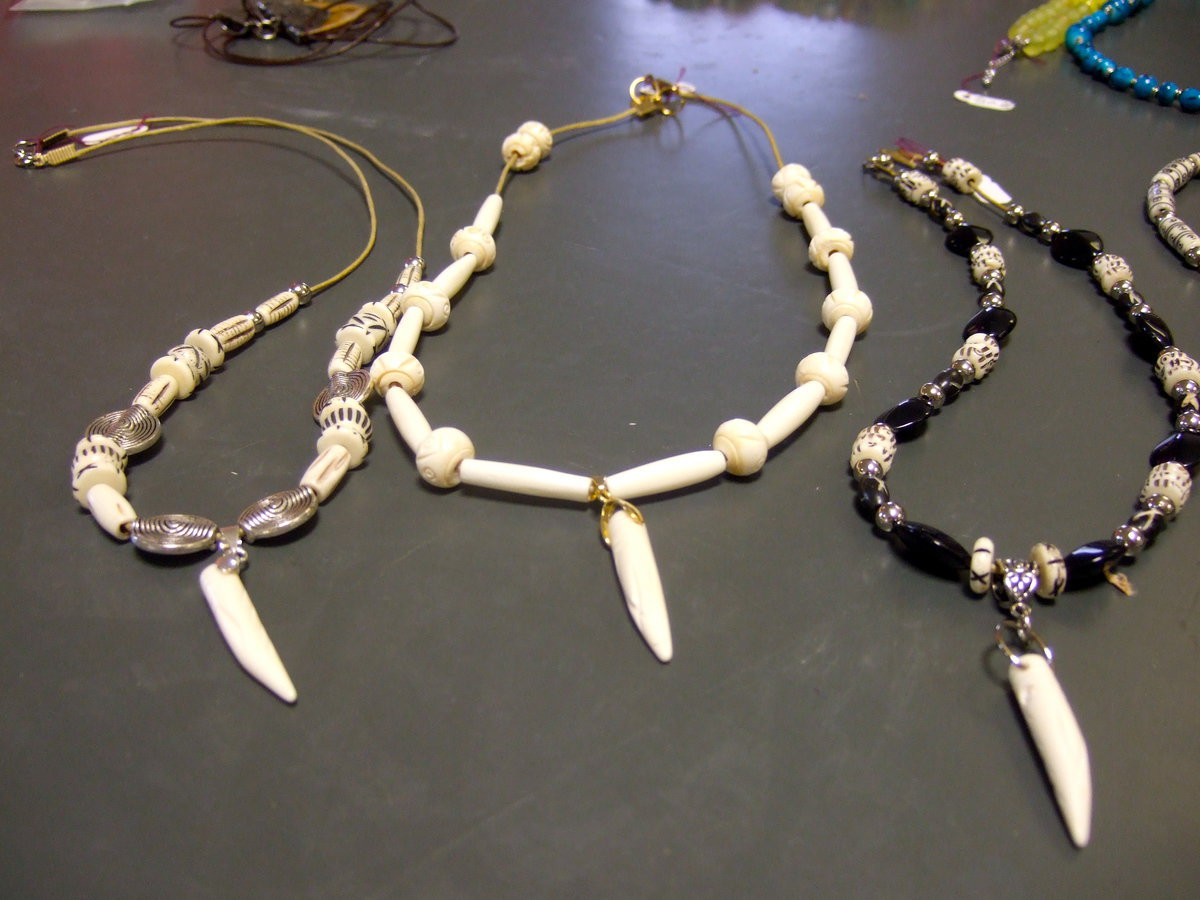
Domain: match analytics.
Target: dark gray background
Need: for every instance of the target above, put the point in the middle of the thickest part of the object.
(477, 715)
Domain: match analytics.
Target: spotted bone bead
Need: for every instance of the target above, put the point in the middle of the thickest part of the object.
(527, 146)
(985, 258)
(1109, 269)
(877, 442)
(743, 444)
(1174, 366)
(441, 453)
(915, 186)
(963, 176)
(1051, 570)
(1171, 480)
(981, 351)
(794, 186)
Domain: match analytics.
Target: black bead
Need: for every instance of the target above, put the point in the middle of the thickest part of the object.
(939, 208)
(932, 549)
(950, 382)
(1076, 248)
(1149, 522)
(873, 493)
(1182, 447)
(907, 418)
(1151, 336)
(1031, 222)
(1089, 562)
(997, 321)
(960, 240)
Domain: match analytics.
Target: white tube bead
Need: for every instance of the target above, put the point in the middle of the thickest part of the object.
(452, 278)
(815, 220)
(327, 471)
(841, 273)
(488, 216)
(408, 332)
(791, 412)
(157, 395)
(668, 474)
(841, 338)
(532, 481)
(408, 418)
(111, 510)
(637, 570)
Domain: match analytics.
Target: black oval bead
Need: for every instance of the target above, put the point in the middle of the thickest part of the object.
(1151, 336)
(960, 240)
(997, 321)
(1031, 222)
(932, 549)
(1182, 447)
(950, 382)
(1149, 522)
(1087, 563)
(873, 493)
(1076, 248)
(907, 418)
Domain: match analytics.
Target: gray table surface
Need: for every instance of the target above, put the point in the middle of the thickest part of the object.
(477, 715)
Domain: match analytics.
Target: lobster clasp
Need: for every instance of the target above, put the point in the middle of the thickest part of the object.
(649, 95)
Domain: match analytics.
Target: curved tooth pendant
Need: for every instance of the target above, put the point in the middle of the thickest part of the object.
(239, 622)
(1058, 738)
(637, 571)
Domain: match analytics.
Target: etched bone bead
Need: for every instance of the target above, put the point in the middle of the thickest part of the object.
(326, 472)
(831, 240)
(433, 302)
(826, 371)
(1160, 200)
(1051, 570)
(408, 418)
(477, 242)
(670, 474)
(402, 370)
(97, 447)
(234, 332)
(347, 359)
(527, 146)
(982, 351)
(276, 309)
(208, 344)
(1108, 268)
(1171, 479)
(157, 395)
(847, 302)
(1174, 366)
(743, 445)
(440, 454)
(792, 411)
(963, 176)
(111, 510)
(979, 574)
(915, 186)
(341, 410)
(876, 442)
(90, 470)
(368, 328)
(532, 481)
(186, 365)
(345, 422)
(792, 173)
(985, 258)
(796, 196)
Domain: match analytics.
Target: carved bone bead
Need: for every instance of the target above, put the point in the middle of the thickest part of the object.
(1051, 570)
(433, 302)
(877, 442)
(366, 328)
(1108, 269)
(439, 455)
(326, 471)
(111, 510)
(346, 359)
(208, 344)
(527, 146)
(847, 302)
(477, 242)
(1171, 480)
(983, 557)
(1174, 366)
(186, 365)
(963, 176)
(792, 173)
(97, 460)
(982, 351)
(985, 258)
(157, 395)
(794, 186)
(743, 445)
(915, 186)
(345, 422)
(831, 374)
(402, 370)
(831, 240)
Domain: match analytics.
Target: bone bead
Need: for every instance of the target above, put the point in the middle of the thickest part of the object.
(982, 351)
(743, 445)
(876, 442)
(826, 371)
(1171, 480)
(841, 273)
(346, 359)
(792, 173)
(531, 481)
(234, 331)
(337, 411)
(276, 309)
(527, 146)
(408, 418)
(637, 571)
(186, 365)
(345, 423)
(1108, 269)
(326, 472)
(793, 187)
(815, 220)
(983, 558)
(1051, 570)
(477, 242)
(368, 328)
(408, 331)
(452, 278)
(847, 302)
(208, 344)
(402, 370)
(670, 474)
(111, 510)
(831, 240)
(98, 448)
(157, 395)
(915, 186)
(985, 258)
(91, 470)
(841, 338)
(432, 301)
(439, 455)
(963, 176)
(488, 216)
(1174, 366)
(791, 412)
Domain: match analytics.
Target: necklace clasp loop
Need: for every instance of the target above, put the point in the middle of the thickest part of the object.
(649, 95)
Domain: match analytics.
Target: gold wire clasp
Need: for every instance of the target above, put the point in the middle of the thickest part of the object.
(649, 95)
(609, 505)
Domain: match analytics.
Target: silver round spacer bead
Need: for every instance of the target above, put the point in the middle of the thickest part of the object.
(1159, 503)
(932, 394)
(1188, 420)
(965, 368)
(1121, 289)
(868, 468)
(260, 324)
(953, 219)
(1192, 257)
(889, 515)
(991, 300)
(1048, 231)
(1133, 539)
(303, 293)
(1184, 389)
(1013, 213)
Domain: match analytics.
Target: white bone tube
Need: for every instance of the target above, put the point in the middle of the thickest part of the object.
(841, 337)
(452, 278)
(408, 418)
(815, 220)
(668, 474)
(488, 216)
(532, 481)
(841, 274)
(244, 631)
(327, 471)
(1059, 741)
(637, 571)
(111, 510)
(408, 332)
(791, 412)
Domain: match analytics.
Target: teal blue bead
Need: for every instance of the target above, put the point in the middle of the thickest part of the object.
(1095, 22)
(1189, 100)
(1144, 87)
(1090, 61)
(1104, 68)
(1118, 11)
(1167, 92)
(1121, 78)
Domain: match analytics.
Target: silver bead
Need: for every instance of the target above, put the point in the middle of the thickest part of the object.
(1192, 257)
(303, 293)
(1188, 420)
(1048, 231)
(1184, 388)
(1141, 309)
(991, 300)
(965, 368)
(953, 220)
(889, 515)
(1017, 584)
(1132, 298)
(278, 514)
(1013, 213)
(868, 468)
(1121, 289)
(1132, 538)
(1159, 503)
(932, 394)
(260, 324)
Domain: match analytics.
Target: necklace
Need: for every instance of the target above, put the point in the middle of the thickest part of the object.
(1079, 41)
(98, 479)
(445, 457)
(1160, 207)
(1047, 572)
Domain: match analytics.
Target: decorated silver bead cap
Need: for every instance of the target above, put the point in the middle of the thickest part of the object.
(1017, 582)
(134, 429)
(354, 386)
(278, 514)
(173, 534)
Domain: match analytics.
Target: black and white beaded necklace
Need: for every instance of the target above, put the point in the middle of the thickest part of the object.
(1047, 572)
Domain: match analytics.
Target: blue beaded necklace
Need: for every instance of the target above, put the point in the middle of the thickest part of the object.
(1079, 42)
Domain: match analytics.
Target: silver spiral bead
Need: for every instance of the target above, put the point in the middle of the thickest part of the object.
(278, 513)
(134, 429)
(354, 385)
(174, 534)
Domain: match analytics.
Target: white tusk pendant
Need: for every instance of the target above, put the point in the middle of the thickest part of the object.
(637, 571)
(244, 631)
(1058, 738)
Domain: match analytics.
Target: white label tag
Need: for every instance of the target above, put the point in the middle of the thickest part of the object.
(983, 101)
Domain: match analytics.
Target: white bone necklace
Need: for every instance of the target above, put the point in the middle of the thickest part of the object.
(98, 479)
(445, 457)
(1047, 572)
